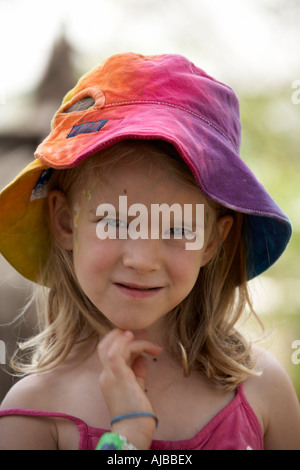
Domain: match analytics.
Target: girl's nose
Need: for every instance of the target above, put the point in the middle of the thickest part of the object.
(142, 255)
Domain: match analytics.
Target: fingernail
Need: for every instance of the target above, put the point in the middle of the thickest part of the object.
(128, 333)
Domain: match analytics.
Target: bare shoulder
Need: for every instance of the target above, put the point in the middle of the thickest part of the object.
(274, 379)
(27, 432)
(275, 402)
(25, 393)
(71, 388)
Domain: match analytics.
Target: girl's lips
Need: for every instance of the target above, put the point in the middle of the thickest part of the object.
(133, 290)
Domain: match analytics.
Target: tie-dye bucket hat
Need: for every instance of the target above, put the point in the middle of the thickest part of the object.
(162, 97)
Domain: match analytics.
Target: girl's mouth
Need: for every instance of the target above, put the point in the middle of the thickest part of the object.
(134, 290)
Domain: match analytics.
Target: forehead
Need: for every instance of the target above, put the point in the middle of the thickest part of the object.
(140, 177)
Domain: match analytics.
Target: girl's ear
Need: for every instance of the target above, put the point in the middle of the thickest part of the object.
(61, 219)
(224, 225)
(217, 237)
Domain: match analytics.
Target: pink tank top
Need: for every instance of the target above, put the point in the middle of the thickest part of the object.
(235, 427)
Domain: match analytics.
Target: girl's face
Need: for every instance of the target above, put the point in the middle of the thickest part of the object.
(134, 282)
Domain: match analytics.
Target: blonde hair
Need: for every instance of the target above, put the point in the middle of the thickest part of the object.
(201, 330)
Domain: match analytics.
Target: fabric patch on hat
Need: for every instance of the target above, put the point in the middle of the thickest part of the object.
(87, 128)
(40, 189)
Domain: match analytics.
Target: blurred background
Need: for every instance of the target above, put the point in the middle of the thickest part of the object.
(252, 45)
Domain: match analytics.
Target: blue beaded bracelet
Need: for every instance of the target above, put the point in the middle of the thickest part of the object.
(134, 415)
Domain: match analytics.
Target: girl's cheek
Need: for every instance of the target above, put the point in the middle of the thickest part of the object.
(206, 219)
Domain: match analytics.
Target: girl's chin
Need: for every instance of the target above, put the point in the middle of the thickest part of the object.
(134, 327)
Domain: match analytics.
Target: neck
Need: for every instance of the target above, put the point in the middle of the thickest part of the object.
(155, 333)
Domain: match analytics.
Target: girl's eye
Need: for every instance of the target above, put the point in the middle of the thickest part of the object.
(113, 222)
(117, 223)
(180, 232)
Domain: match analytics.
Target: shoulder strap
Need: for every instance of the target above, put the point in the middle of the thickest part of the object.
(81, 425)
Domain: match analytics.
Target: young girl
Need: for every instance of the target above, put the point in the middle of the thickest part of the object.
(138, 345)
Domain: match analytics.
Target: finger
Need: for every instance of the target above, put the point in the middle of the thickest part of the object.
(140, 346)
(113, 344)
(141, 334)
(120, 344)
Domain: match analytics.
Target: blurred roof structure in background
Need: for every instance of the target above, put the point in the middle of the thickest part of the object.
(33, 112)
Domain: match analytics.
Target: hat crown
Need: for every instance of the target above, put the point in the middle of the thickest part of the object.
(168, 79)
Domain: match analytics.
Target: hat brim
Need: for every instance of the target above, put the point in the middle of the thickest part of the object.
(218, 170)
(24, 234)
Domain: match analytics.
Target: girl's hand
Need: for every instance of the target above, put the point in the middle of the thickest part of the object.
(122, 382)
